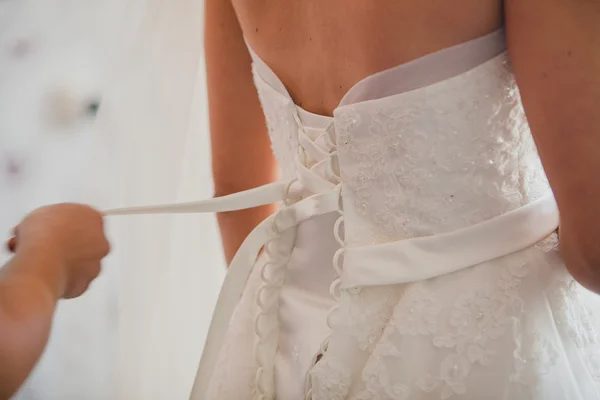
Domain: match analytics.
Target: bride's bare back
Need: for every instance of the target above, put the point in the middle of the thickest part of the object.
(321, 48)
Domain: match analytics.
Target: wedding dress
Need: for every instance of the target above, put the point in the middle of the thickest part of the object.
(414, 255)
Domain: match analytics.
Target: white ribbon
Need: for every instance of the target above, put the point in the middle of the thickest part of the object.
(267, 194)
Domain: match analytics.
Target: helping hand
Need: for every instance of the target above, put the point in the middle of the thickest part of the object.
(73, 234)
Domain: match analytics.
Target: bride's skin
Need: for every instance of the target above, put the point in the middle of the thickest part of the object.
(320, 49)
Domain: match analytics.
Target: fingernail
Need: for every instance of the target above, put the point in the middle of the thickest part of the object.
(12, 245)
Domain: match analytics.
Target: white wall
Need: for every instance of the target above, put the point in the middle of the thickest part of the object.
(138, 333)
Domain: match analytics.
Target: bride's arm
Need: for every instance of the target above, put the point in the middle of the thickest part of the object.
(241, 154)
(555, 49)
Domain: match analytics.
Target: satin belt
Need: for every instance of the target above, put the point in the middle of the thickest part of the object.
(423, 258)
(245, 258)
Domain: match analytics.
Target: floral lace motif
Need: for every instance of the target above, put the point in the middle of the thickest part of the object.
(465, 334)
(336, 382)
(279, 114)
(379, 383)
(535, 357)
(576, 320)
(550, 244)
(477, 319)
(437, 159)
(366, 316)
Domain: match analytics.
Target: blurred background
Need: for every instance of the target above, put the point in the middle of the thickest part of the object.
(103, 102)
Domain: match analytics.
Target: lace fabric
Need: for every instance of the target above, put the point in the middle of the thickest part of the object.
(513, 328)
(438, 159)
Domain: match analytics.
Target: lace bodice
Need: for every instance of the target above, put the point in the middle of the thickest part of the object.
(428, 161)
(437, 159)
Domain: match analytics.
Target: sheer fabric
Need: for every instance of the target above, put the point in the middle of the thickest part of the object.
(171, 266)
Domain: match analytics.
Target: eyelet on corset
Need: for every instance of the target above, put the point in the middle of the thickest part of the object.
(259, 383)
(264, 273)
(286, 196)
(336, 262)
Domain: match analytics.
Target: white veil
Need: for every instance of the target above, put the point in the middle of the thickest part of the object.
(170, 267)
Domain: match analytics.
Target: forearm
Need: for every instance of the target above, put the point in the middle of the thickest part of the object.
(561, 93)
(555, 49)
(570, 151)
(235, 226)
(29, 291)
(240, 145)
(228, 179)
(255, 170)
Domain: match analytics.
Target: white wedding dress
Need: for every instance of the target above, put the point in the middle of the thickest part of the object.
(414, 255)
